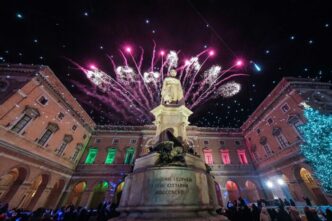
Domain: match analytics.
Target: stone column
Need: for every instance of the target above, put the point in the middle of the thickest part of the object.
(42, 198)
(18, 197)
(86, 198)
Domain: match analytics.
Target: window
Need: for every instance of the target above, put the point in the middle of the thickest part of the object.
(45, 137)
(62, 148)
(276, 132)
(66, 140)
(237, 143)
(50, 129)
(285, 108)
(295, 122)
(222, 143)
(74, 127)
(129, 155)
(255, 155)
(91, 157)
(61, 116)
(111, 153)
(29, 113)
(75, 155)
(206, 142)
(133, 141)
(43, 100)
(21, 123)
(208, 156)
(267, 149)
(225, 157)
(115, 141)
(242, 156)
(78, 148)
(282, 140)
(97, 140)
(269, 121)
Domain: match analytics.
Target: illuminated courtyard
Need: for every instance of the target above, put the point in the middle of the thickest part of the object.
(145, 131)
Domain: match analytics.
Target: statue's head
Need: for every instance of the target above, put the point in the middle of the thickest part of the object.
(172, 73)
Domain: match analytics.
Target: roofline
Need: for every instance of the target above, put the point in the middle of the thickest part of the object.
(282, 86)
(91, 125)
(38, 71)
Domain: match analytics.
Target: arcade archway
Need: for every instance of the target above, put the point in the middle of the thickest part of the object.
(76, 194)
(118, 193)
(99, 192)
(309, 185)
(252, 192)
(36, 189)
(55, 194)
(10, 182)
(233, 190)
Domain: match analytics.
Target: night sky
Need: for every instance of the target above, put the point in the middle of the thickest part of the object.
(283, 38)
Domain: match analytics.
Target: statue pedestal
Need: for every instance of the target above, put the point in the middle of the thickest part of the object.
(169, 192)
(172, 117)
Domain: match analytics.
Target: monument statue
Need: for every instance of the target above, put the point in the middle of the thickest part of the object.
(171, 115)
(171, 92)
(170, 182)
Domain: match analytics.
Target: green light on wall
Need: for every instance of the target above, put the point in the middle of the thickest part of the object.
(91, 157)
(110, 158)
(101, 187)
(129, 155)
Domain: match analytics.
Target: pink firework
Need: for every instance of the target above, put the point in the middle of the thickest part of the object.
(135, 90)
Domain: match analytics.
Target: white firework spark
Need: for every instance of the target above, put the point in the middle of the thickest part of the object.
(172, 60)
(151, 77)
(193, 63)
(212, 74)
(126, 74)
(99, 78)
(229, 89)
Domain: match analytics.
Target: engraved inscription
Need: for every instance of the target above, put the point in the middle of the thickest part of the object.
(172, 185)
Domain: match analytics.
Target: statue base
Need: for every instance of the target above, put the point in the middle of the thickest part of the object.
(168, 192)
(172, 118)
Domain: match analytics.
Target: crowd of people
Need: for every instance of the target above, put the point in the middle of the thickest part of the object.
(285, 210)
(105, 211)
(237, 210)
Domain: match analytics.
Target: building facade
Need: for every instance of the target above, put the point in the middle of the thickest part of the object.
(53, 154)
(273, 139)
(43, 132)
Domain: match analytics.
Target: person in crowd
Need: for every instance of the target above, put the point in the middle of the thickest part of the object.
(294, 214)
(255, 211)
(307, 201)
(328, 214)
(286, 202)
(292, 203)
(282, 214)
(311, 214)
(264, 215)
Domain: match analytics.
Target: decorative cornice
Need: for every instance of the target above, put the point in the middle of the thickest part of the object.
(41, 160)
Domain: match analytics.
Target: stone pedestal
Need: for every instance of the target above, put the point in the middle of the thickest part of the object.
(169, 192)
(175, 118)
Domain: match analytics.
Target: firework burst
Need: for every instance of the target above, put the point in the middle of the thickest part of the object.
(132, 90)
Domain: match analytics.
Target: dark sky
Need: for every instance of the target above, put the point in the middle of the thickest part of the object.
(285, 38)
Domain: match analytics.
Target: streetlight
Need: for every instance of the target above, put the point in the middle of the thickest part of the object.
(269, 184)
